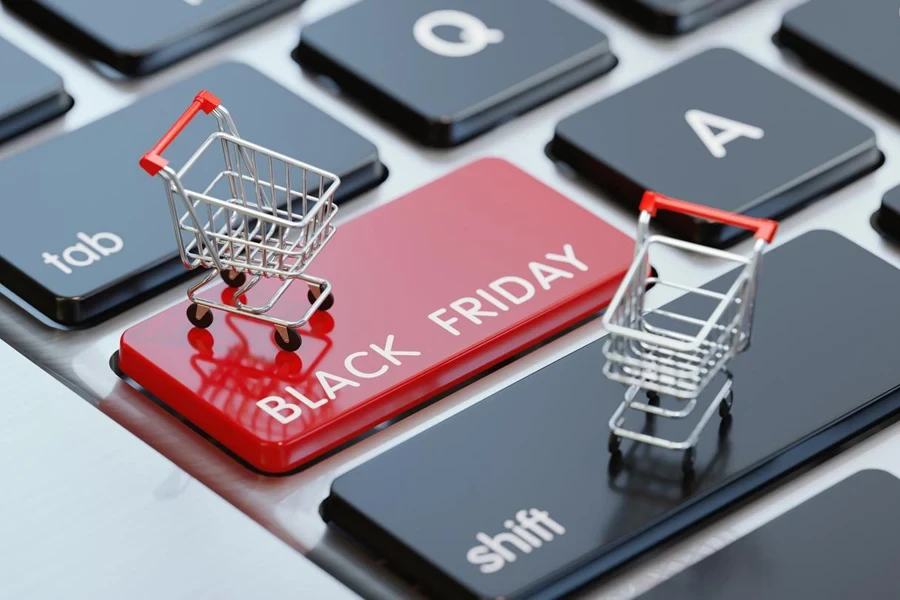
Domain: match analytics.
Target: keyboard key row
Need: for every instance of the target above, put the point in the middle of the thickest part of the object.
(139, 38)
(443, 71)
(527, 504)
(692, 131)
(109, 242)
(426, 297)
(722, 131)
(31, 93)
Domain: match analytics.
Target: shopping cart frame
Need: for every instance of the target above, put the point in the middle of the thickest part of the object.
(253, 240)
(648, 357)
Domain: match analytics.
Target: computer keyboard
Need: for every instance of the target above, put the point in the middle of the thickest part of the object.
(453, 398)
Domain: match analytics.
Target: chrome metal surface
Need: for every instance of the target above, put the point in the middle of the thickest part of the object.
(647, 356)
(246, 231)
(652, 349)
(88, 511)
(288, 506)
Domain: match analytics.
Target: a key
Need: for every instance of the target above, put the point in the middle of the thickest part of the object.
(136, 37)
(723, 131)
(853, 43)
(886, 219)
(105, 230)
(673, 16)
(517, 493)
(31, 93)
(445, 71)
(830, 547)
(430, 290)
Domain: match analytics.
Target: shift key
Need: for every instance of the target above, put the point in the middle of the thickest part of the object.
(92, 232)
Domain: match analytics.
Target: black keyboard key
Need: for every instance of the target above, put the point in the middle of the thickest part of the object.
(840, 544)
(886, 219)
(673, 16)
(447, 70)
(853, 43)
(106, 235)
(720, 130)
(136, 37)
(515, 498)
(30, 94)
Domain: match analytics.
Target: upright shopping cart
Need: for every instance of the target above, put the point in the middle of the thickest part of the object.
(264, 215)
(664, 353)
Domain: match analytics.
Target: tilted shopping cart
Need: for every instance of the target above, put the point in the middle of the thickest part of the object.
(265, 215)
(664, 353)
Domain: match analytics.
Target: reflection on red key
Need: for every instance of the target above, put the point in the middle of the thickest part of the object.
(429, 289)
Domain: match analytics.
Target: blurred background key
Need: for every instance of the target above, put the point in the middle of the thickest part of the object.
(673, 16)
(852, 43)
(136, 37)
(30, 93)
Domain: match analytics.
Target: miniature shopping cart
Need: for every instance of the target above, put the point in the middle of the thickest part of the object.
(663, 353)
(264, 215)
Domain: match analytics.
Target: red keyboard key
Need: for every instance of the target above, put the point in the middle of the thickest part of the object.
(430, 290)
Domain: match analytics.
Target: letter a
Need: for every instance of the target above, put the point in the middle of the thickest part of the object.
(703, 123)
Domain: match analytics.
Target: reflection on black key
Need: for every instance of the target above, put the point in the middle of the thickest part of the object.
(447, 70)
(106, 233)
(673, 16)
(853, 43)
(30, 93)
(514, 497)
(720, 130)
(840, 544)
(137, 37)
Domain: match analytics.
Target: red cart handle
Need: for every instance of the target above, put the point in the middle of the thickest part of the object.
(153, 162)
(763, 229)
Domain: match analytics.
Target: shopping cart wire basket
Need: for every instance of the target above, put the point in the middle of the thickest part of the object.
(264, 215)
(664, 353)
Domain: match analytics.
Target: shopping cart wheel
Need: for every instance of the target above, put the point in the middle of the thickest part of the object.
(293, 342)
(234, 279)
(202, 322)
(687, 462)
(614, 443)
(326, 304)
(725, 405)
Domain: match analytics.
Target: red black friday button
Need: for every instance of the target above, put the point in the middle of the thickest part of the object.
(430, 289)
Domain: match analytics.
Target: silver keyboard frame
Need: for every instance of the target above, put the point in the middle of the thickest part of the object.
(288, 506)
